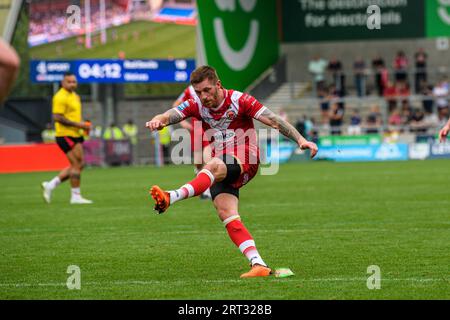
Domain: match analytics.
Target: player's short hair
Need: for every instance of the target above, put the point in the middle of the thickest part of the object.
(68, 74)
(202, 73)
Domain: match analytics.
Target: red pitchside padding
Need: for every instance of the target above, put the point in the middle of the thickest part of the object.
(31, 157)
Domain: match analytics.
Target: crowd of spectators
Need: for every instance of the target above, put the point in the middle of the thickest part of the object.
(392, 84)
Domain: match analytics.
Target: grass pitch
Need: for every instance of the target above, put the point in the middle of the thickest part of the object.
(139, 40)
(326, 221)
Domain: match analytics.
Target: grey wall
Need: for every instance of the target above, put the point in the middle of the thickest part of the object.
(93, 112)
(11, 132)
(142, 111)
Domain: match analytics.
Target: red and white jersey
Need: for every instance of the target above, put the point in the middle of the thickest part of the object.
(229, 126)
(189, 93)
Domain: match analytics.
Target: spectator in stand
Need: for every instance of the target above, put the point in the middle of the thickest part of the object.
(427, 98)
(334, 95)
(304, 126)
(336, 118)
(395, 119)
(440, 93)
(130, 130)
(421, 69)
(378, 69)
(373, 120)
(400, 66)
(335, 68)
(324, 99)
(315, 135)
(300, 126)
(430, 121)
(406, 115)
(113, 132)
(96, 132)
(417, 121)
(359, 71)
(309, 127)
(394, 92)
(317, 67)
(355, 123)
(390, 95)
(403, 92)
(384, 77)
(164, 138)
(442, 117)
(48, 134)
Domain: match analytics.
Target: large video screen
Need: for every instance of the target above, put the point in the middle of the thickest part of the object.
(103, 35)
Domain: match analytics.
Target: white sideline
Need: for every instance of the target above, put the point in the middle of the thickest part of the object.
(177, 282)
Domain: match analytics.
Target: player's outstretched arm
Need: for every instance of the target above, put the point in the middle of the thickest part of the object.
(273, 120)
(9, 67)
(163, 120)
(444, 132)
(185, 124)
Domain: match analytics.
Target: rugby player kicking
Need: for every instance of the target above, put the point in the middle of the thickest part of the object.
(227, 116)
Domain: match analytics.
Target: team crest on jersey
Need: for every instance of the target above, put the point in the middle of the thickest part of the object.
(183, 106)
(231, 115)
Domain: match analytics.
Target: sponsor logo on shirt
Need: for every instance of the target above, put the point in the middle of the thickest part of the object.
(183, 106)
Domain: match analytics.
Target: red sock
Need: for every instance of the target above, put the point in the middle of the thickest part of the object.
(240, 236)
(202, 182)
(197, 186)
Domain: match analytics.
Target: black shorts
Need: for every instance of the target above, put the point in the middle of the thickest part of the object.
(67, 143)
(233, 173)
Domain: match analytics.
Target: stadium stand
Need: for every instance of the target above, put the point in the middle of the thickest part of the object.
(405, 106)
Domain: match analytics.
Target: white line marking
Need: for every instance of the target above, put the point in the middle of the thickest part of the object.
(39, 232)
(178, 282)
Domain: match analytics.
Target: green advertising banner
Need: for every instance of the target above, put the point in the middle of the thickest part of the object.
(438, 18)
(368, 139)
(239, 38)
(334, 20)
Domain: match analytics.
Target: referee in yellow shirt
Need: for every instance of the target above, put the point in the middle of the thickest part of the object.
(69, 129)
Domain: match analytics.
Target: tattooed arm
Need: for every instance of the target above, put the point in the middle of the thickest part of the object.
(275, 121)
(160, 121)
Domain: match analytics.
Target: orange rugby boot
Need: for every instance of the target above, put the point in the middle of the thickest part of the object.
(257, 271)
(161, 197)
